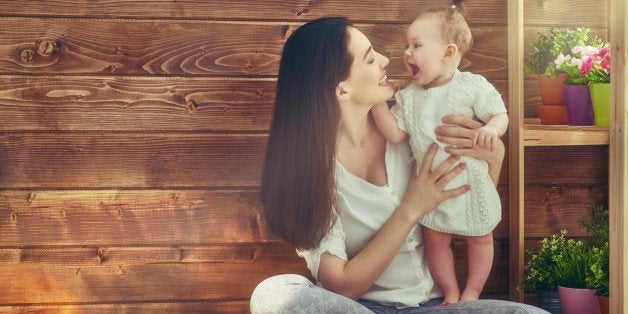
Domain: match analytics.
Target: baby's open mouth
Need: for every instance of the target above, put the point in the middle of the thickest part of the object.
(414, 68)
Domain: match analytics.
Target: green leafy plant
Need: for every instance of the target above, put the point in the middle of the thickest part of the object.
(565, 262)
(540, 271)
(598, 277)
(577, 265)
(550, 43)
(597, 225)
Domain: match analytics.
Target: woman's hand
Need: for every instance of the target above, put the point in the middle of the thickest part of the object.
(459, 134)
(426, 188)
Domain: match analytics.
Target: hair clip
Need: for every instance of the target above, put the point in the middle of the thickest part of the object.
(453, 6)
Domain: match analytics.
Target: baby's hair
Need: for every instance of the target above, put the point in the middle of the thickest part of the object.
(453, 24)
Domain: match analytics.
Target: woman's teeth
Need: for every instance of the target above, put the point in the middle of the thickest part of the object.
(383, 81)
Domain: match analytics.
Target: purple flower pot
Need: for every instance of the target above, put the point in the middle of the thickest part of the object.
(578, 301)
(578, 102)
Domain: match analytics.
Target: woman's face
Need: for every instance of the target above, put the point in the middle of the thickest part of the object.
(367, 82)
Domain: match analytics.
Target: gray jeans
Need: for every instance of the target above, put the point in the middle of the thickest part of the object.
(296, 294)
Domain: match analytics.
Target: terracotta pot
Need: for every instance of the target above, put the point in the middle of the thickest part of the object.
(578, 103)
(553, 114)
(578, 301)
(552, 89)
(604, 305)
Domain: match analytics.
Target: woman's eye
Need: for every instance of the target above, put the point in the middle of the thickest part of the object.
(416, 46)
(371, 61)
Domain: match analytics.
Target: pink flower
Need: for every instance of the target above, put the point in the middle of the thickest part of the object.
(587, 64)
(604, 51)
(606, 63)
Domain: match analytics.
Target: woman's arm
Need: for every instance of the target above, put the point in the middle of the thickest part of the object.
(460, 137)
(425, 191)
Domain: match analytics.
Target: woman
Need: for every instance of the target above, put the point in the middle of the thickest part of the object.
(347, 200)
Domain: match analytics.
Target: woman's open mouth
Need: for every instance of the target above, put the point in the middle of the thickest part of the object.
(384, 81)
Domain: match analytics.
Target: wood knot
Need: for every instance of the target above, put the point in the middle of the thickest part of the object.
(46, 47)
(192, 105)
(112, 68)
(27, 56)
(304, 11)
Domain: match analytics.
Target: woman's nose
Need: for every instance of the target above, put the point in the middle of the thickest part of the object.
(385, 61)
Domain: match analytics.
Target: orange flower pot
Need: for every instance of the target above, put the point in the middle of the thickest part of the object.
(552, 89)
(553, 114)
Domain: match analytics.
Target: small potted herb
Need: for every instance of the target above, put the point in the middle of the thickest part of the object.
(540, 271)
(597, 225)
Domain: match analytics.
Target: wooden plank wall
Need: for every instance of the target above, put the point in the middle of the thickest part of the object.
(132, 135)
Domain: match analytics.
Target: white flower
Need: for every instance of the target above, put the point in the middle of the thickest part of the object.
(585, 50)
(560, 60)
(576, 62)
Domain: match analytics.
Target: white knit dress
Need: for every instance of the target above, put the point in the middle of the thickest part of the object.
(419, 111)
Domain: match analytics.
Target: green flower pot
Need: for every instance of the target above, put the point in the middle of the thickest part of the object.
(601, 101)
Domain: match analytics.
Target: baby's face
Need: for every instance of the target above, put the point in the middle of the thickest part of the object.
(424, 56)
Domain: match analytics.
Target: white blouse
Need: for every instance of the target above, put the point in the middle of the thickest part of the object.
(363, 208)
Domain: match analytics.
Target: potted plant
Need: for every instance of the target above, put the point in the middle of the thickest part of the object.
(576, 89)
(548, 45)
(597, 69)
(578, 269)
(598, 226)
(588, 68)
(540, 272)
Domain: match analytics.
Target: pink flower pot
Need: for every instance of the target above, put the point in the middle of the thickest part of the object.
(578, 301)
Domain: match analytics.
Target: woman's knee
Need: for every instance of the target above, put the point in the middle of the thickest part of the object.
(297, 294)
(277, 292)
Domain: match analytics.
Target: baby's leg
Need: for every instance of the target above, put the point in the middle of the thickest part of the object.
(440, 260)
(480, 252)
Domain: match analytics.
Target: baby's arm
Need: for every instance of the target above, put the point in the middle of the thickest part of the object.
(387, 123)
(487, 136)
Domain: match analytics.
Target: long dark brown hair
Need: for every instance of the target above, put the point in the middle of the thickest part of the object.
(298, 179)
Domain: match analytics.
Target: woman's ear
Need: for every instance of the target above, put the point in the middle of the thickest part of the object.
(342, 92)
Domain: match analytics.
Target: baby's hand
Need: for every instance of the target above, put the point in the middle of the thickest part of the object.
(485, 137)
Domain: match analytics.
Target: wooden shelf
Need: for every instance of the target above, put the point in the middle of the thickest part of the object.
(528, 132)
(564, 135)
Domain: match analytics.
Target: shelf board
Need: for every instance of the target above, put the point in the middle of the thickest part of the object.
(563, 135)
